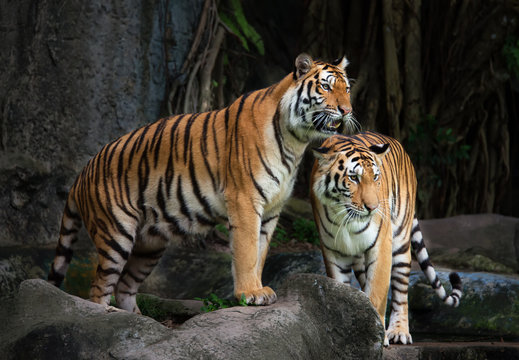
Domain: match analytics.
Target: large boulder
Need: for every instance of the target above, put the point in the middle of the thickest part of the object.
(315, 317)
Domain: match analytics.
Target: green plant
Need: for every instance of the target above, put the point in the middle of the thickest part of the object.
(301, 230)
(235, 20)
(306, 231)
(511, 54)
(213, 302)
(222, 228)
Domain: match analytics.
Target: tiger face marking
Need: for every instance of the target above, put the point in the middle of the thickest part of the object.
(363, 196)
(321, 105)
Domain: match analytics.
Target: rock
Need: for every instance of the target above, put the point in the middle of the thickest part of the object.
(485, 242)
(489, 308)
(189, 273)
(76, 76)
(315, 317)
(455, 350)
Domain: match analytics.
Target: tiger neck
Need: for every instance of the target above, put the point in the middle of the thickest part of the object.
(281, 92)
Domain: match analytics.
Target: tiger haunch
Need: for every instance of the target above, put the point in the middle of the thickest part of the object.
(363, 197)
(181, 175)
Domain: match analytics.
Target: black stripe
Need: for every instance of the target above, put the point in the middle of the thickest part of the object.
(372, 245)
(109, 271)
(205, 221)
(326, 230)
(425, 264)
(72, 215)
(107, 256)
(342, 270)
(362, 230)
(143, 179)
(333, 250)
(156, 139)
(267, 220)
(187, 133)
(256, 185)
(196, 188)
(267, 168)
(402, 249)
(114, 245)
(280, 140)
(418, 245)
(172, 221)
(180, 196)
(415, 229)
(134, 277)
(64, 251)
(402, 264)
(65, 232)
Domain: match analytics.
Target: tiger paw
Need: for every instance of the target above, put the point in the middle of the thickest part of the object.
(398, 336)
(263, 296)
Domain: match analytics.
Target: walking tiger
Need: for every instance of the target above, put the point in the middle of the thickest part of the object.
(184, 174)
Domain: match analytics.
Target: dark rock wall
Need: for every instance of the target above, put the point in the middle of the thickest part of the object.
(76, 75)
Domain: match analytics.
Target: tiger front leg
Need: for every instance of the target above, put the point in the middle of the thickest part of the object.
(398, 329)
(378, 274)
(245, 224)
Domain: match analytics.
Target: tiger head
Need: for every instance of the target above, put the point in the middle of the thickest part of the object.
(319, 101)
(348, 179)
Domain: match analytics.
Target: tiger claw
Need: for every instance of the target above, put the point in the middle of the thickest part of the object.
(399, 337)
(263, 296)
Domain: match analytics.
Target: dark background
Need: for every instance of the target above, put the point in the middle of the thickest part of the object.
(441, 76)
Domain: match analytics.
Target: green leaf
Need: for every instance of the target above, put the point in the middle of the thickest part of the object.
(240, 27)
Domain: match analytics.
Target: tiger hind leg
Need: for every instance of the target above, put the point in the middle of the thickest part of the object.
(113, 253)
(70, 225)
(145, 255)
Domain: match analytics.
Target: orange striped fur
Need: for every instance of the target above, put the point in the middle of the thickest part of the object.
(182, 175)
(363, 197)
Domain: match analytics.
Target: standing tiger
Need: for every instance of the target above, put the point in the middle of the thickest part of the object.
(182, 175)
(363, 197)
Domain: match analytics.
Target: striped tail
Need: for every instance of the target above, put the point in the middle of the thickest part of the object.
(422, 256)
(70, 225)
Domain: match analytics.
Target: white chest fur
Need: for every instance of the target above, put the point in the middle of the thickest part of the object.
(352, 238)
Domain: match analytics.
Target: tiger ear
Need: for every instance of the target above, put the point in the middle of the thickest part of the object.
(303, 64)
(380, 149)
(342, 63)
(322, 154)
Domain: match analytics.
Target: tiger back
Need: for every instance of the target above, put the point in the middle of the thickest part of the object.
(182, 175)
(363, 191)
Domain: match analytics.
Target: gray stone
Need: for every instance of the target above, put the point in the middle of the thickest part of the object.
(489, 308)
(315, 317)
(453, 350)
(484, 242)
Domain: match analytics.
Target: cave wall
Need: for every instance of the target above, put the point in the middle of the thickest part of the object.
(76, 75)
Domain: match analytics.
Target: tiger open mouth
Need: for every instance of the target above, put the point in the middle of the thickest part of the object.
(328, 123)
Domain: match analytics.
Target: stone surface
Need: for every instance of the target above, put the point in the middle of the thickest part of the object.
(315, 317)
(484, 242)
(453, 351)
(75, 75)
(489, 308)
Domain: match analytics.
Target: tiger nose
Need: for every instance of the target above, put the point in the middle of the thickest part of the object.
(371, 207)
(344, 110)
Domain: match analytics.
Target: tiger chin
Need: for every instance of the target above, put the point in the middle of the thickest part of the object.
(183, 174)
(363, 191)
